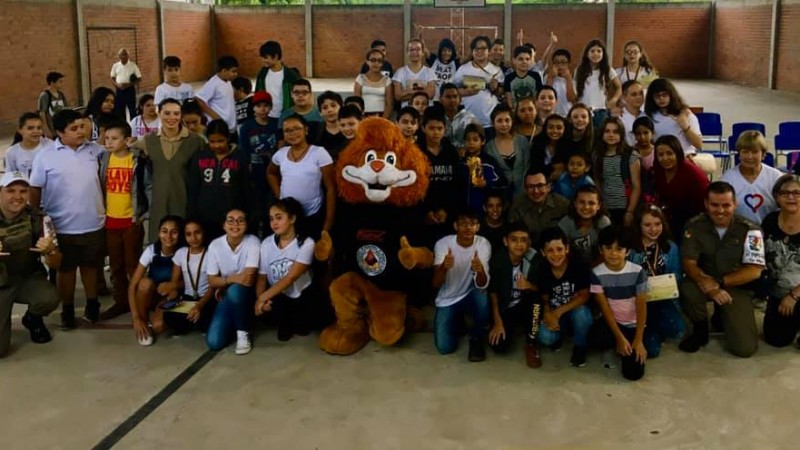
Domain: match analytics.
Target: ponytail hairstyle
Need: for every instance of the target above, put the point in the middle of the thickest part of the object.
(293, 208)
(181, 238)
(23, 119)
(142, 101)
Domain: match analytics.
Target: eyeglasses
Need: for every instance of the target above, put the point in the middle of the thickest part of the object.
(632, 52)
(235, 221)
(481, 48)
(537, 186)
(292, 130)
(661, 95)
(795, 194)
(375, 60)
(301, 92)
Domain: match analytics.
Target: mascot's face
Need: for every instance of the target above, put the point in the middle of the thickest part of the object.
(380, 166)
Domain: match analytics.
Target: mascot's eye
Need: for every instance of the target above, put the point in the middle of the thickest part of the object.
(371, 155)
(390, 158)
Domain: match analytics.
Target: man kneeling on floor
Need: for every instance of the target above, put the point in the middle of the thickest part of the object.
(23, 279)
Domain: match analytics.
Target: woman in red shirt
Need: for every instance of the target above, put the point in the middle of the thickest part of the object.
(680, 184)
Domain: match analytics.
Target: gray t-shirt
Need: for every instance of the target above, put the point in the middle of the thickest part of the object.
(581, 244)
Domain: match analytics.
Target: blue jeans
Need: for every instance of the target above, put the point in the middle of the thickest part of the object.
(232, 314)
(447, 319)
(578, 321)
(664, 321)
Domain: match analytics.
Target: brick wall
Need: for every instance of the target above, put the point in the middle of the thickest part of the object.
(113, 25)
(585, 23)
(341, 38)
(29, 50)
(188, 35)
(741, 41)
(240, 31)
(676, 37)
(787, 74)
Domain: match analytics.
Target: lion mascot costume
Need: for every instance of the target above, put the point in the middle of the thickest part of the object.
(381, 181)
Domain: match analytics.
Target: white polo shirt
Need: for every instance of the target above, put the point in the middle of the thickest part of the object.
(224, 261)
(71, 193)
(218, 95)
(121, 73)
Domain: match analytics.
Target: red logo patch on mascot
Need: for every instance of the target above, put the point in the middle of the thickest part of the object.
(381, 181)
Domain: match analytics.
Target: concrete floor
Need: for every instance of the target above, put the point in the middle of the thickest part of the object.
(75, 391)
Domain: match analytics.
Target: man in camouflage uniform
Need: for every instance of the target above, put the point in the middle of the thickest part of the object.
(722, 255)
(22, 275)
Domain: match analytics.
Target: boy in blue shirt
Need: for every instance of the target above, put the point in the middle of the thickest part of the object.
(258, 138)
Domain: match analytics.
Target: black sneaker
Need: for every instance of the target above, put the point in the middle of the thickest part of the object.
(91, 313)
(477, 352)
(39, 333)
(556, 347)
(284, 333)
(68, 318)
(698, 338)
(578, 358)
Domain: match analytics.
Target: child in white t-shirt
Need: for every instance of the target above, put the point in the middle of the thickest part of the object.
(195, 305)
(460, 273)
(147, 121)
(596, 83)
(232, 266)
(152, 280)
(559, 76)
(19, 158)
(671, 115)
(284, 275)
(172, 87)
(216, 96)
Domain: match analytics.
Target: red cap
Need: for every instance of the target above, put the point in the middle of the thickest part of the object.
(262, 97)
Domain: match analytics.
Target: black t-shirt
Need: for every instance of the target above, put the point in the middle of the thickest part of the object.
(333, 143)
(244, 111)
(561, 290)
(782, 256)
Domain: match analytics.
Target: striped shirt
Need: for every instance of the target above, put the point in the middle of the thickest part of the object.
(621, 289)
(613, 185)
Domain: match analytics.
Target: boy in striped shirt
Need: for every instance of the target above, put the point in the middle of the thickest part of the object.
(620, 289)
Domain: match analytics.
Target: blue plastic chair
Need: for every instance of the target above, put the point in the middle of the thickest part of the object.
(740, 127)
(789, 129)
(711, 129)
(787, 145)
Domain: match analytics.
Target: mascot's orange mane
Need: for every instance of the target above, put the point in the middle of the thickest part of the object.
(376, 139)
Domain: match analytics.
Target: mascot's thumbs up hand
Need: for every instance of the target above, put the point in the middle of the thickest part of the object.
(411, 257)
(324, 247)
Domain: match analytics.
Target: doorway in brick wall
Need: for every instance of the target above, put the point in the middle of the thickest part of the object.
(103, 45)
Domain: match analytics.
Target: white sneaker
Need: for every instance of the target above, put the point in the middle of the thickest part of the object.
(146, 342)
(243, 345)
